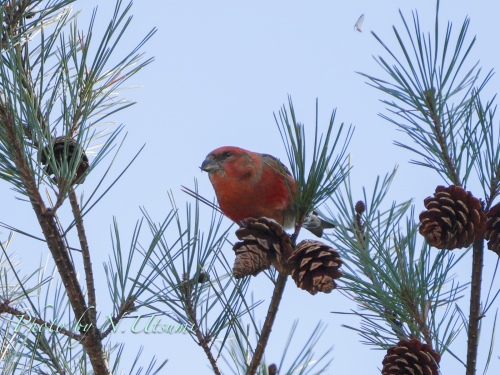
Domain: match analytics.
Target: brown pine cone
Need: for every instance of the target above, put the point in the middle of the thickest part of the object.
(264, 242)
(314, 265)
(59, 144)
(203, 278)
(360, 207)
(453, 219)
(411, 358)
(492, 233)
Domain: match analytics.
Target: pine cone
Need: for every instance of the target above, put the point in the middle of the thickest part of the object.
(58, 148)
(492, 233)
(264, 242)
(314, 265)
(360, 207)
(410, 358)
(453, 220)
(272, 369)
(203, 278)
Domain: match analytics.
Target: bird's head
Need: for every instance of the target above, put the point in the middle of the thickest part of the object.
(233, 161)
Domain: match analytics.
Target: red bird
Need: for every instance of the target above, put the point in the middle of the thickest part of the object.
(248, 184)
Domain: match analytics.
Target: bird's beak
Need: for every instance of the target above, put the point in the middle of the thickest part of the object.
(210, 165)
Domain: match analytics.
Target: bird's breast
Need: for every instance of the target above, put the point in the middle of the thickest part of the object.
(242, 198)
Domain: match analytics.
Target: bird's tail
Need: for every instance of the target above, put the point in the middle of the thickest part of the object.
(314, 224)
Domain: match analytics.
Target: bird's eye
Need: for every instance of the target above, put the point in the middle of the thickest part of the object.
(226, 154)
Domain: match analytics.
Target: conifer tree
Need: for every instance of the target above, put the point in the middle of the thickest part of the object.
(399, 269)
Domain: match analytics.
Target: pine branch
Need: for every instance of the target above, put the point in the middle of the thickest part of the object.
(92, 342)
(12, 18)
(494, 189)
(268, 324)
(54, 362)
(296, 232)
(318, 180)
(420, 322)
(437, 128)
(203, 339)
(475, 305)
(360, 237)
(17, 156)
(125, 308)
(423, 84)
(5, 308)
(87, 264)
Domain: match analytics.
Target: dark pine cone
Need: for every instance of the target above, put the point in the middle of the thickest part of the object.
(453, 219)
(203, 278)
(314, 266)
(272, 369)
(410, 358)
(492, 234)
(263, 243)
(59, 144)
(360, 207)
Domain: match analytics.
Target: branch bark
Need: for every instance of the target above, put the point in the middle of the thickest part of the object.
(431, 103)
(475, 301)
(5, 308)
(203, 340)
(87, 264)
(268, 324)
(54, 363)
(125, 308)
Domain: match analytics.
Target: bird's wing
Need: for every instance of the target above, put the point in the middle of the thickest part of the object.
(283, 189)
(275, 163)
(359, 23)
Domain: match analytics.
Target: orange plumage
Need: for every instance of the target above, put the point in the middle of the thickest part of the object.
(249, 184)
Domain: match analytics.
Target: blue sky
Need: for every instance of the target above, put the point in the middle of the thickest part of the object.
(221, 69)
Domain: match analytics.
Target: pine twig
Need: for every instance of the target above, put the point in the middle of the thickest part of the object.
(268, 324)
(203, 340)
(494, 189)
(420, 321)
(475, 301)
(87, 264)
(295, 234)
(431, 103)
(359, 228)
(125, 308)
(54, 363)
(5, 308)
(11, 18)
